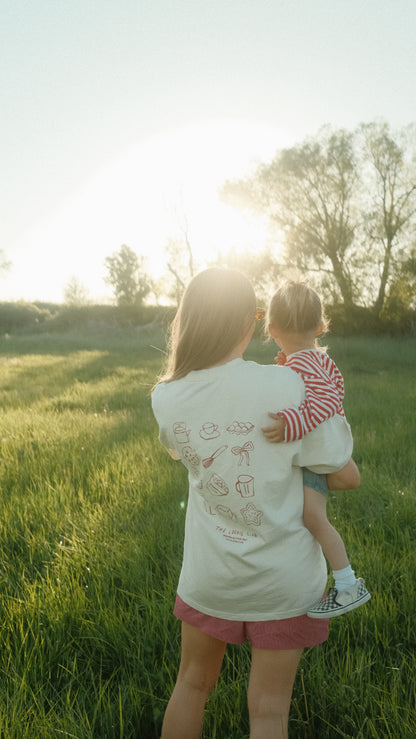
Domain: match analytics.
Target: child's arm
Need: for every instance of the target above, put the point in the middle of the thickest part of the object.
(324, 389)
(314, 410)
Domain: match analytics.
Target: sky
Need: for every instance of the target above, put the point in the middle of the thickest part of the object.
(121, 120)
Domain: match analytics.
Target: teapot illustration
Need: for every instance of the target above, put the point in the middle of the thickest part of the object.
(182, 434)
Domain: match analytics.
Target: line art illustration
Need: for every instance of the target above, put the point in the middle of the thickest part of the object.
(209, 460)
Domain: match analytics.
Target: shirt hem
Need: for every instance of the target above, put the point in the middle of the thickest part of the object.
(251, 616)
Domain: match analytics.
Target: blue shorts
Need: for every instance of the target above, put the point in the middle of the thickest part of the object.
(315, 481)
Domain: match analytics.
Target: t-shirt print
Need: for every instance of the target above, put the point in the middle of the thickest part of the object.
(232, 500)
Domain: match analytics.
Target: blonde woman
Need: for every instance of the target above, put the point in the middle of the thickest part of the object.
(251, 569)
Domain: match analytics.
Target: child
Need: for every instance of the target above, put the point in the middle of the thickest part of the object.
(295, 319)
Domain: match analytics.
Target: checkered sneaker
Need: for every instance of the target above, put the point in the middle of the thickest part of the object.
(337, 603)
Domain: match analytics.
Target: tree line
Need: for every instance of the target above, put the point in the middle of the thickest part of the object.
(341, 206)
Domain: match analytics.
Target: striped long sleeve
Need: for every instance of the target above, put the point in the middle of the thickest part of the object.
(324, 390)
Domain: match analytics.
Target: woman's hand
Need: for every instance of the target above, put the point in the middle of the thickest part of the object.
(276, 433)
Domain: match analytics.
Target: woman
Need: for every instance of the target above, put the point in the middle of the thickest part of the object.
(250, 567)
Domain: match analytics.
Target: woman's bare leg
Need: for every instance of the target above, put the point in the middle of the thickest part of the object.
(201, 660)
(272, 675)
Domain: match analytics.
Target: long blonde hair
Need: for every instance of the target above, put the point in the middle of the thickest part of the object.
(214, 315)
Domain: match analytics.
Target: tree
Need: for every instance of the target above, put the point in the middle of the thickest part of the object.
(75, 293)
(126, 275)
(261, 268)
(308, 192)
(399, 306)
(345, 204)
(389, 218)
(180, 260)
(4, 262)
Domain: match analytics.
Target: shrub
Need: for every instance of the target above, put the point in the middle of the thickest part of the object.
(358, 321)
(70, 318)
(21, 315)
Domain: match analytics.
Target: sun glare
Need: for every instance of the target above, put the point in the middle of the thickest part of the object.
(165, 187)
(189, 167)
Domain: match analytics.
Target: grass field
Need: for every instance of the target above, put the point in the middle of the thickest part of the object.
(91, 527)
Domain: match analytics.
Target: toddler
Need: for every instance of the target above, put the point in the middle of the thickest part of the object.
(295, 319)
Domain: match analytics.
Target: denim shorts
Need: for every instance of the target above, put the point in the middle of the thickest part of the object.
(315, 481)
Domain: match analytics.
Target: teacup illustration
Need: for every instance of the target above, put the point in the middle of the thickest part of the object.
(245, 486)
(182, 434)
(209, 430)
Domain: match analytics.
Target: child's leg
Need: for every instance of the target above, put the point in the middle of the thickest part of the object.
(349, 593)
(314, 516)
(315, 520)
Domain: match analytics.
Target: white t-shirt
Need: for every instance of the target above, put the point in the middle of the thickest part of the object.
(247, 554)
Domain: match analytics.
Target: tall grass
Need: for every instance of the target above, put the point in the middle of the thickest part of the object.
(91, 528)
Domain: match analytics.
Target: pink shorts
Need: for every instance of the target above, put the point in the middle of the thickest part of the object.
(286, 633)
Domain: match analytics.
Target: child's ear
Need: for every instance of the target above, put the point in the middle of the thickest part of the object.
(319, 329)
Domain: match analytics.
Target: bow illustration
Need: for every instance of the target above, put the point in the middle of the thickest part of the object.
(243, 452)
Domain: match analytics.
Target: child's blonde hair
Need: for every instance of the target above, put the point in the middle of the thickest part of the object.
(215, 314)
(296, 308)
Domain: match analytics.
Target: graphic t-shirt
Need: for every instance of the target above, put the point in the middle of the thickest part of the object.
(247, 554)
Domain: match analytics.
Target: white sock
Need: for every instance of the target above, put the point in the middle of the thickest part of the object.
(344, 578)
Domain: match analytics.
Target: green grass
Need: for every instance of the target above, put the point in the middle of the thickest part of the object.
(91, 528)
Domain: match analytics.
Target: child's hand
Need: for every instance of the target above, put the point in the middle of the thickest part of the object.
(280, 359)
(276, 433)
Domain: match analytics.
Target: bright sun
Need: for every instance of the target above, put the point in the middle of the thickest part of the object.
(183, 173)
(144, 199)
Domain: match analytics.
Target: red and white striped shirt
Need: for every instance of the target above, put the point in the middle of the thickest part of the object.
(324, 389)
